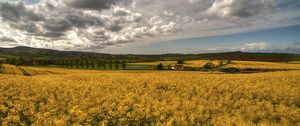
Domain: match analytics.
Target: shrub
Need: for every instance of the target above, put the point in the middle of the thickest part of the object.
(181, 61)
(160, 66)
(209, 65)
(230, 70)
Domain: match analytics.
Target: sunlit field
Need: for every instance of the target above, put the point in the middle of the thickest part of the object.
(294, 65)
(264, 65)
(92, 97)
(30, 71)
(192, 63)
(149, 63)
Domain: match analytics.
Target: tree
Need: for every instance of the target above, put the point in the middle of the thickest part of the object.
(43, 61)
(87, 64)
(181, 61)
(104, 64)
(99, 64)
(77, 63)
(110, 64)
(67, 63)
(7, 61)
(160, 66)
(55, 62)
(22, 61)
(13, 61)
(93, 64)
(59, 63)
(82, 63)
(230, 70)
(117, 64)
(71, 63)
(62, 63)
(123, 64)
(1, 62)
(209, 65)
(32, 61)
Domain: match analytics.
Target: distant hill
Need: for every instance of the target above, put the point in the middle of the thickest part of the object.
(47, 53)
(247, 56)
(23, 51)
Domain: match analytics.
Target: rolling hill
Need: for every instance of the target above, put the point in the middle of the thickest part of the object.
(23, 51)
(47, 53)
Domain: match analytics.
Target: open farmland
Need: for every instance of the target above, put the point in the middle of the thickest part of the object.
(28, 71)
(190, 63)
(294, 65)
(149, 63)
(264, 65)
(90, 97)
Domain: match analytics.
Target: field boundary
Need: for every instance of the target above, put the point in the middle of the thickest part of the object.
(25, 73)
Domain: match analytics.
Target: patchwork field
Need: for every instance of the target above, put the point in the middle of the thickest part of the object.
(28, 71)
(194, 63)
(294, 65)
(264, 65)
(91, 97)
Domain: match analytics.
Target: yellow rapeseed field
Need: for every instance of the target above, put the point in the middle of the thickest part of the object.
(30, 71)
(83, 97)
(293, 65)
(264, 65)
(191, 63)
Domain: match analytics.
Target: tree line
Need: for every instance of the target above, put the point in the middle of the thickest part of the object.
(92, 64)
(1, 62)
(69, 63)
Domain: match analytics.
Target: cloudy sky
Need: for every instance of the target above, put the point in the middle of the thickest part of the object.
(152, 26)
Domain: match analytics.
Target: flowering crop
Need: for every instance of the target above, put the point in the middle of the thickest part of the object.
(82, 97)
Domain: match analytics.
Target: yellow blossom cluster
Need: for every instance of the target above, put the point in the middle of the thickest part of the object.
(83, 97)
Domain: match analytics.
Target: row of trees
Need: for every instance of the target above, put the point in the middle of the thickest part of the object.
(92, 64)
(1, 62)
(69, 63)
(28, 61)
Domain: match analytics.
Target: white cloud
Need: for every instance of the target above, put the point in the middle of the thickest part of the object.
(195, 1)
(255, 46)
(90, 24)
(238, 8)
(62, 27)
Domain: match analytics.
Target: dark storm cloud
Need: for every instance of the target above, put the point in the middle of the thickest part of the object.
(240, 8)
(6, 39)
(67, 20)
(29, 27)
(82, 20)
(115, 28)
(52, 24)
(57, 25)
(92, 24)
(93, 4)
(16, 12)
(53, 34)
